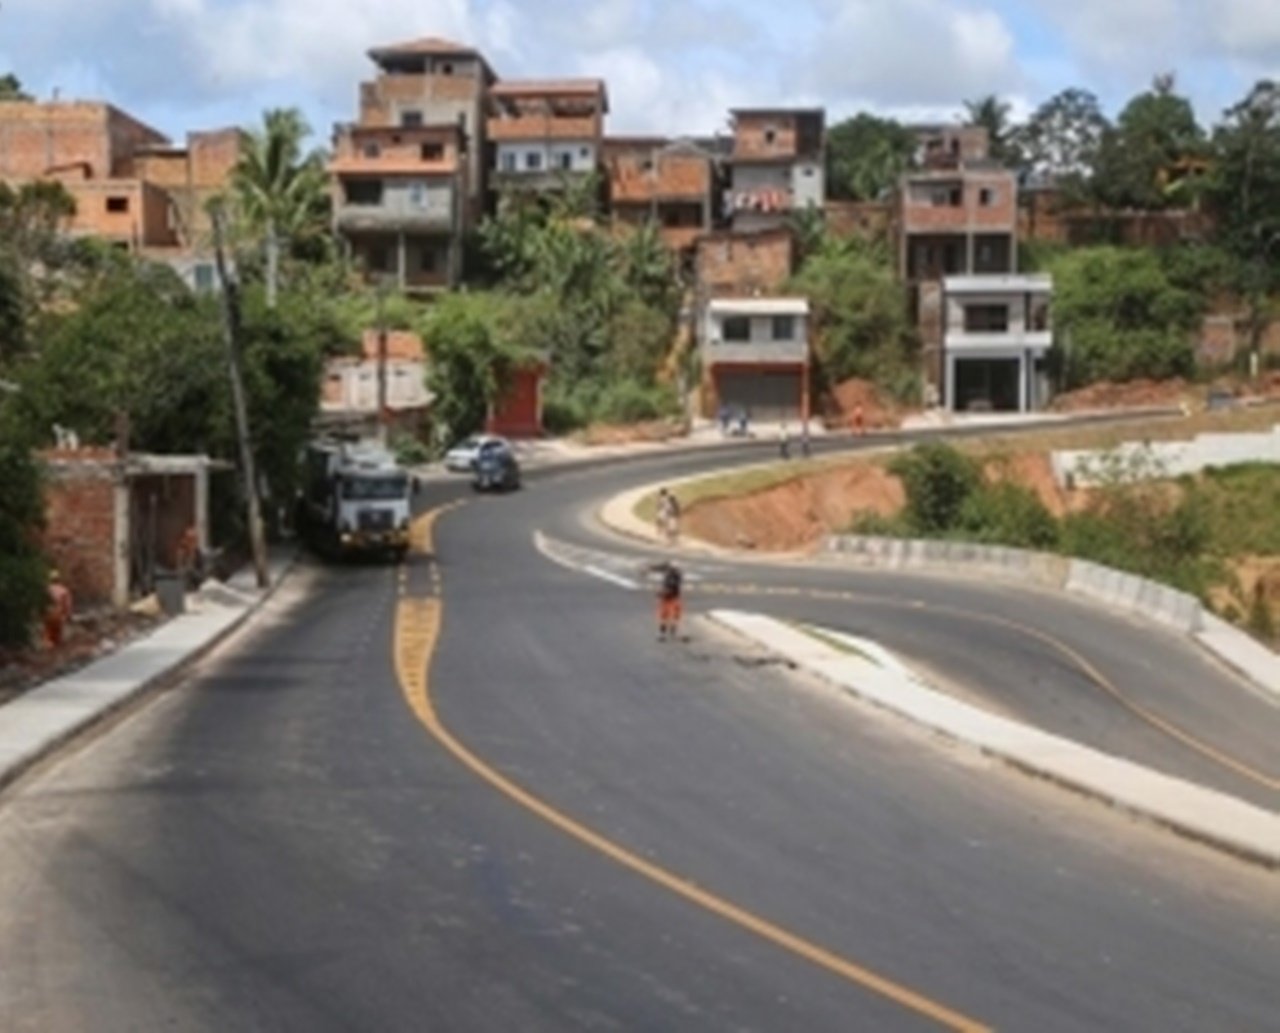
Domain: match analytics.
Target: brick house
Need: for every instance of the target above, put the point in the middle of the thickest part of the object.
(544, 133)
(777, 166)
(672, 183)
(729, 264)
(955, 218)
(112, 522)
(131, 186)
(408, 175)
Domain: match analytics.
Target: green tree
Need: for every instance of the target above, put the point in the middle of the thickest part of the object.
(1244, 192)
(1156, 130)
(282, 191)
(992, 113)
(472, 340)
(860, 314)
(865, 157)
(13, 311)
(1120, 317)
(22, 565)
(11, 88)
(1062, 137)
(939, 482)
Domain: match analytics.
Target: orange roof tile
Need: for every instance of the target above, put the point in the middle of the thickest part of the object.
(401, 344)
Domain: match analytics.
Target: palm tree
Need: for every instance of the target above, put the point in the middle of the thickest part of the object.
(993, 114)
(281, 191)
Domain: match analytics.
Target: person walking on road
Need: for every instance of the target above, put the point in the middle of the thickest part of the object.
(670, 604)
(668, 516)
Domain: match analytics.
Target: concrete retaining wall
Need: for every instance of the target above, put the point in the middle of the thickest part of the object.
(1137, 460)
(1116, 589)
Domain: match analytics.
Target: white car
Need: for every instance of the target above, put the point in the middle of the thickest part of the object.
(462, 457)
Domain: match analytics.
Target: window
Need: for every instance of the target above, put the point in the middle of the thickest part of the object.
(118, 205)
(986, 197)
(737, 328)
(432, 152)
(378, 258)
(411, 119)
(364, 191)
(446, 68)
(202, 274)
(565, 160)
(770, 135)
(784, 328)
(417, 194)
(533, 161)
(584, 153)
(428, 259)
(508, 161)
(980, 319)
(371, 150)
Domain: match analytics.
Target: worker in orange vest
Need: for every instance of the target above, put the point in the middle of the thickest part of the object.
(57, 611)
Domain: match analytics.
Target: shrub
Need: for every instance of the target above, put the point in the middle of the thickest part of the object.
(629, 401)
(22, 566)
(938, 481)
(1008, 513)
(409, 451)
(873, 524)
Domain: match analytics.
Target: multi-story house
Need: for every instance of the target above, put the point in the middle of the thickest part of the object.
(399, 202)
(408, 175)
(671, 183)
(995, 334)
(131, 186)
(956, 218)
(435, 82)
(755, 358)
(544, 134)
(777, 166)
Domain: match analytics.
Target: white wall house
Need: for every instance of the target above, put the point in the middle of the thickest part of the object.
(530, 158)
(996, 332)
(755, 357)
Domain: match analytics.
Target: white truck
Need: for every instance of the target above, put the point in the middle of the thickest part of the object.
(356, 499)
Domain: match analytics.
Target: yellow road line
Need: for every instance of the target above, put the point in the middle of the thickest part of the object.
(1075, 658)
(417, 630)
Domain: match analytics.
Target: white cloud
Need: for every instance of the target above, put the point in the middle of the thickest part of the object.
(927, 53)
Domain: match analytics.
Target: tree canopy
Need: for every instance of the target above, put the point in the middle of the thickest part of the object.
(865, 156)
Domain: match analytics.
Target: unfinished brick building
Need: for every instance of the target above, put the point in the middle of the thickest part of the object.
(671, 183)
(131, 186)
(545, 134)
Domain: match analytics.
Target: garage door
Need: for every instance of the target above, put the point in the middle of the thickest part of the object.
(767, 397)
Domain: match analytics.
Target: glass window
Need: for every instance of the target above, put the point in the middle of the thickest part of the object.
(410, 119)
(986, 319)
(737, 328)
(508, 162)
(533, 160)
(364, 191)
(372, 488)
(784, 328)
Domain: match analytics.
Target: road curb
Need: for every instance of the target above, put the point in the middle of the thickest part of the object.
(88, 720)
(1204, 815)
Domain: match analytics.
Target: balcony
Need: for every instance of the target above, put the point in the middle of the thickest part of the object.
(997, 341)
(543, 127)
(357, 218)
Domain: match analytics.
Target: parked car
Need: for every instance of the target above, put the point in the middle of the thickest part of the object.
(462, 457)
(496, 468)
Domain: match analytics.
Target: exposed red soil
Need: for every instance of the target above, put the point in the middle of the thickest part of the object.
(1108, 395)
(847, 396)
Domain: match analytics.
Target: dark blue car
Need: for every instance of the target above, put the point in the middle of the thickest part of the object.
(496, 468)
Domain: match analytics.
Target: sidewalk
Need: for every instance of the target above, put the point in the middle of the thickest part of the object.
(866, 671)
(43, 718)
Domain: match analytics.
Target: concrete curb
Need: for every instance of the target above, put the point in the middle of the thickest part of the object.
(1125, 593)
(1200, 814)
(45, 719)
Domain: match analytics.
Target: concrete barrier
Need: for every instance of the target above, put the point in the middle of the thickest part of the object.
(1135, 460)
(1002, 561)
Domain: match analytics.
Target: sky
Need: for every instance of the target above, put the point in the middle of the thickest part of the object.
(672, 66)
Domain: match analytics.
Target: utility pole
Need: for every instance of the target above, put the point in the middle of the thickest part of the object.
(382, 363)
(230, 335)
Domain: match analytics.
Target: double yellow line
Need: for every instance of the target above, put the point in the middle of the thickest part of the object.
(417, 629)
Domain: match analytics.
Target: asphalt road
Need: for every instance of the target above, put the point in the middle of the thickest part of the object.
(639, 836)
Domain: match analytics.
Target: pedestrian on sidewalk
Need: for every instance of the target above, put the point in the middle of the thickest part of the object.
(670, 606)
(804, 439)
(784, 442)
(57, 611)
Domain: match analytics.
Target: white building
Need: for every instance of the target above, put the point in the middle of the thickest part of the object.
(755, 357)
(995, 335)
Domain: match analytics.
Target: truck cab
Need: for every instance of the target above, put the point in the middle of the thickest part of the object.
(357, 500)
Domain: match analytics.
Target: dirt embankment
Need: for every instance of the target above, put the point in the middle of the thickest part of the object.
(799, 513)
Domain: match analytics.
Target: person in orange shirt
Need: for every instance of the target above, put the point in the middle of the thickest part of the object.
(670, 606)
(57, 612)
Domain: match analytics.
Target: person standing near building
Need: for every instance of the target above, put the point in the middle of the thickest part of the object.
(57, 610)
